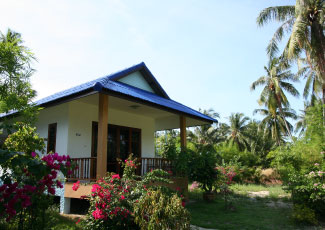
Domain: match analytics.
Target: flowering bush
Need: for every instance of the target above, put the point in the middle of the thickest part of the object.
(225, 179)
(28, 183)
(28, 180)
(202, 164)
(308, 187)
(113, 199)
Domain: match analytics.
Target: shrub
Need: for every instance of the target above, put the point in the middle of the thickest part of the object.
(202, 163)
(29, 180)
(303, 214)
(308, 188)
(28, 185)
(227, 173)
(25, 140)
(156, 210)
(113, 199)
(302, 165)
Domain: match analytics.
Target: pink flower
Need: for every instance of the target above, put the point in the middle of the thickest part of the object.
(59, 184)
(51, 191)
(98, 214)
(122, 197)
(116, 176)
(194, 185)
(33, 154)
(76, 186)
(95, 188)
(316, 164)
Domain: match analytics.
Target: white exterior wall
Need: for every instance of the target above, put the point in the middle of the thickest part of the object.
(56, 114)
(81, 116)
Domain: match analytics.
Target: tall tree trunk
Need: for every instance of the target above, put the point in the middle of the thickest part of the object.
(318, 51)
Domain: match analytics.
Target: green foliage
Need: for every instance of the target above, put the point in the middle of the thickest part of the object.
(244, 163)
(304, 23)
(179, 157)
(120, 203)
(28, 185)
(303, 214)
(237, 131)
(202, 164)
(15, 71)
(302, 166)
(25, 140)
(156, 210)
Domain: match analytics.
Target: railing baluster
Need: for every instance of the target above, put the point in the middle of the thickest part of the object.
(86, 167)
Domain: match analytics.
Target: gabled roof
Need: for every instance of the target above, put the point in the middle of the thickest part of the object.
(111, 86)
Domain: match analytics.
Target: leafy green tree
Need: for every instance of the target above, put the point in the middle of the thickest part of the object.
(237, 131)
(260, 144)
(304, 22)
(275, 83)
(274, 124)
(15, 71)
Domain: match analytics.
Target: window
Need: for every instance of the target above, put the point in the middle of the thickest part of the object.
(51, 138)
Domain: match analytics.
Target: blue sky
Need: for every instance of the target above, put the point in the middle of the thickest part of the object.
(205, 53)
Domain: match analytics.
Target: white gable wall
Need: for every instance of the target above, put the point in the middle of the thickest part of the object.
(81, 116)
(57, 114)
(137, 80)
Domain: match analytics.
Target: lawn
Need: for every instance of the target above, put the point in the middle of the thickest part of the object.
(271, 212)
(56, 222)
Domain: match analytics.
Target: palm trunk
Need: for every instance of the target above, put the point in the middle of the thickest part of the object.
(323, 103)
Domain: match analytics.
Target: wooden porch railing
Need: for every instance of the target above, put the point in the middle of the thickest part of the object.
(86, 167)
(148, 164)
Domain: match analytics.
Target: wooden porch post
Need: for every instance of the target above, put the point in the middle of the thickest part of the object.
(183, 132)
(102, 135)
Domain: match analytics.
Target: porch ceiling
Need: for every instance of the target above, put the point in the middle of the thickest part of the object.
(164, 119)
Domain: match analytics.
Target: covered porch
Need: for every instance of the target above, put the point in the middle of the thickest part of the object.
(112, 137)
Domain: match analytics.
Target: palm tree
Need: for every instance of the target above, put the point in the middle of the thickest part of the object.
(274, 124)
(237, 131)
(205, 134)
(275, 83)
(305, 24)
(301, 124)
(313, 86)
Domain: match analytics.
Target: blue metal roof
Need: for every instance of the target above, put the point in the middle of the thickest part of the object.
(109, 85)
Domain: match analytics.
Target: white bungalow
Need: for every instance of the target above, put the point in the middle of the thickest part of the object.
(109, 118)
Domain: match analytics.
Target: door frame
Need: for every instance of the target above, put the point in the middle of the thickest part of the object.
(118, 127)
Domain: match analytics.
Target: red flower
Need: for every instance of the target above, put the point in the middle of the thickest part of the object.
(76, 186)
(95, 188)
(116, 176)
(78, 221)
(122, 197)
(98, 214)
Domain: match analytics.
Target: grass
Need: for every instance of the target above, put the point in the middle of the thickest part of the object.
(276, 191)
(55, 222)
(272, 212)
(59, 222)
